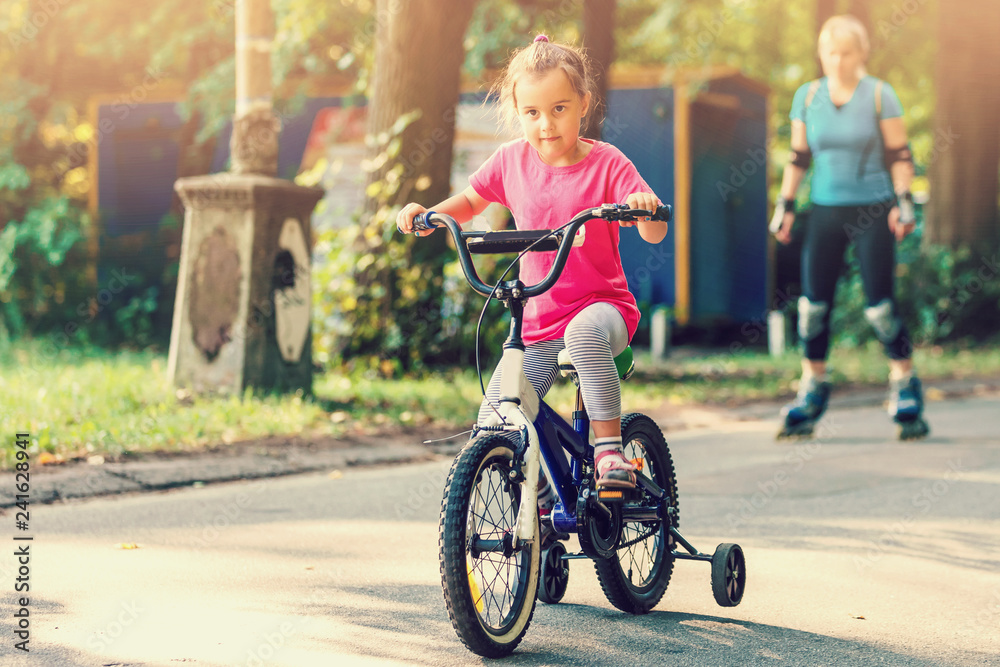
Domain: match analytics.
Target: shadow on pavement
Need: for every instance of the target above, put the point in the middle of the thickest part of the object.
(410, 624)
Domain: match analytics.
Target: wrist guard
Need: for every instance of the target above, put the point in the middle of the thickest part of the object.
(907, 214)
(781, 207)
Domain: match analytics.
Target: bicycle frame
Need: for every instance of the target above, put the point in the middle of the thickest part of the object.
(548, 436)
(546, 432)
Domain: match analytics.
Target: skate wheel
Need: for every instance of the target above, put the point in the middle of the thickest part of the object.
(729, 574)
(554, 575)
(913, 430)
(803, 430)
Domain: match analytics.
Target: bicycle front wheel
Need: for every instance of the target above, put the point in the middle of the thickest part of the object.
(489, 589)
(636, 576)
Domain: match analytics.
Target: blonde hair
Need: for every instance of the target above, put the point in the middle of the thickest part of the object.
(537, 59)
(845, 24)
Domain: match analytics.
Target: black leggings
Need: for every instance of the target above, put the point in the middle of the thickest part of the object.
(828, 231)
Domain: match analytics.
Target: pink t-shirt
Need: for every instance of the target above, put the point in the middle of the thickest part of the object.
(545, 197)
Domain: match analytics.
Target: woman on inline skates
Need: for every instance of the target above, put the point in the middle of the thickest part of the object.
(849, 125)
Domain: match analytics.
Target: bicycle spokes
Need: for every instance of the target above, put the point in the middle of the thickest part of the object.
(641, 543)
(496, 576)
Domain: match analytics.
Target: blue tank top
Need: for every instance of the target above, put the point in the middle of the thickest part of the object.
(846, 143)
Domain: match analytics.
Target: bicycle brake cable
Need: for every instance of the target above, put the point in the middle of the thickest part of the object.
(482, 314)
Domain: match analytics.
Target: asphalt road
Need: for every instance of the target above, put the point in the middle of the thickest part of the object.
(860, 550)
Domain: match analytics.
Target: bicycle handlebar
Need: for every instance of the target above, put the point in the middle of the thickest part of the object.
(609, 212)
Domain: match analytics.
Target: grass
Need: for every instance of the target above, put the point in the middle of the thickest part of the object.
(733, 379)
(85, 402)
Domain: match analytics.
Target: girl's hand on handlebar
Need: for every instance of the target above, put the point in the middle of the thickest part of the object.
(404, 219)
(646, 201)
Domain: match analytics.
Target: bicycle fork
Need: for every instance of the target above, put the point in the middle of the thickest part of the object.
(518, 409)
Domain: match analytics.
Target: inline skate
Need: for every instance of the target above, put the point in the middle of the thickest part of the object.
(800, 416)
(906, 406)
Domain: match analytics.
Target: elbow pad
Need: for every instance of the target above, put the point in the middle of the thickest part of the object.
(901, 154)
(801, 158)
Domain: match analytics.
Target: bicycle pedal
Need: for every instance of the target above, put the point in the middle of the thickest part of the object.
(614, 495)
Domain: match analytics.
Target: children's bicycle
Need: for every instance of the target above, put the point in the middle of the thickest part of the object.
(493, 566)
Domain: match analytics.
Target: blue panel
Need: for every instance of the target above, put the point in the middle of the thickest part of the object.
(640, 124)
(729, 208)
(748, 288)
(138, 155)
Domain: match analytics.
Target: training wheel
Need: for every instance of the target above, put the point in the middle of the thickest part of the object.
(729, 574)
(554, 575)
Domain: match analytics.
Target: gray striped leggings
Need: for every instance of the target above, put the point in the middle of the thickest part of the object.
(594, 337)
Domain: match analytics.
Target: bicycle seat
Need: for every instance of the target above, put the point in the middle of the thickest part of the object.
(624, 362)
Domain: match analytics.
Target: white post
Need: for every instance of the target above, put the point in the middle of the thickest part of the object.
(776, 333)
(659, 334)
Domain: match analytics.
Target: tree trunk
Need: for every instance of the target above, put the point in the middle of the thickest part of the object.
(599, 40)
(861, 10)
(965, 162)
(824, 10)
(411, 118)
(418, 57)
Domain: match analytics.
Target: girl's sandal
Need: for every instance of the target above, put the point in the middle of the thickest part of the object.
(614, 471)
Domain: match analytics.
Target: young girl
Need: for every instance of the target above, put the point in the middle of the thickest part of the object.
(545, 179)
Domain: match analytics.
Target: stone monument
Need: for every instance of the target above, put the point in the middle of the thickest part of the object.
(242, 310)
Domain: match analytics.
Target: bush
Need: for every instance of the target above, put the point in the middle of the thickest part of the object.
(42, 266)
(391, 325)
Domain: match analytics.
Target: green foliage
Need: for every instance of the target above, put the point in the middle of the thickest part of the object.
(32, 252)
(388, 325)
(63, 54)
(135, 319)
(500, 26)
(389, 297)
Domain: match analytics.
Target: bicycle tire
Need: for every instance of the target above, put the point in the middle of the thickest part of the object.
(490, 597)
(625, 588)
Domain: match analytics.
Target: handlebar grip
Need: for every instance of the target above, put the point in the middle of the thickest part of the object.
(420, 221)
(664, 213)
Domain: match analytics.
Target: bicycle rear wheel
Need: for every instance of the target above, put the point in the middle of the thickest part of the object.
(488, 589)
(635, 578)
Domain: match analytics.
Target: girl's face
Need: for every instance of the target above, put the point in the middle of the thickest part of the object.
(840, 57)
(550, 112)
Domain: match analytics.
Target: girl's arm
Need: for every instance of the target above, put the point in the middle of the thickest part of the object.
(462, 207)
(791, 179)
